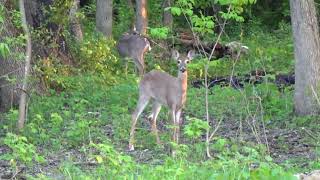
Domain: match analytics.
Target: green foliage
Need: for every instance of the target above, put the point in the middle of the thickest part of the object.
(272, 53)
(238, 104)
(58, 12)
(124, 19)
(22, 150)
(248, 164)
(16, 18)
(195, 127)
(270, 13)
(4, 50)
(78, 133)
(155, 13)
(114, 162)
(159, 33)
(203, 24)
(96, 56)
(2, 15)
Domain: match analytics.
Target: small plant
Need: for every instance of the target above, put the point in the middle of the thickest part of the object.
(195, 127)
(22, 150)
(78, 132)
(96, 56)
(114, 162)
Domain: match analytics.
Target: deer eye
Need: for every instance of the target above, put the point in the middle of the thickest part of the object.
(187, 61)
(179, 61)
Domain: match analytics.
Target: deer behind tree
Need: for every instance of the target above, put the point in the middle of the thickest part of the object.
(133, 45)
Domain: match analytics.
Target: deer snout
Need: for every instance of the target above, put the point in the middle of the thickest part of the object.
(183, 69)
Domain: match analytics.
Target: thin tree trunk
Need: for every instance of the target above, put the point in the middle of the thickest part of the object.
(167, 16)
(75, 26)
(131, 7)
(104, 17)
(130, 4)
(23, 96)
(141, 16)
(307, 56)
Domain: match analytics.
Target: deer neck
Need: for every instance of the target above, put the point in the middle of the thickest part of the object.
(183, 80)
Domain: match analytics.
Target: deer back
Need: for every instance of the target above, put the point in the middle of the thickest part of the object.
(133, 45)
(166, 89)
(161, 86)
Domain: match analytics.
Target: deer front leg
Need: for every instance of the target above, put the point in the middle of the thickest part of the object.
(173, 116)
(178, 113)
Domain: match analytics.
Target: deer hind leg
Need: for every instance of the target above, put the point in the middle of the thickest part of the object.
(155, 112)
(139, 65)
(126, 67)
(142, 103)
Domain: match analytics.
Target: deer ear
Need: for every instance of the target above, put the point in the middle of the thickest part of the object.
(175, 54)
(191, 54)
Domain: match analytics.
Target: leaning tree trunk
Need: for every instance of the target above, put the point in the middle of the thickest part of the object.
(167, 16)
(307, 56)
(75, 26)
(141, 16)
(23, 96)
(104, 17)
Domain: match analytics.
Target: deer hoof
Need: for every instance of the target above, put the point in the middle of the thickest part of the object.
(173, 153)
(131, 147)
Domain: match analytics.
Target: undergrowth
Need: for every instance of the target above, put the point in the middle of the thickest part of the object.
(95, 119)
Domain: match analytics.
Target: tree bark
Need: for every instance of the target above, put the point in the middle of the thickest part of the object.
(141, 16)
(104, 17)
(23, 96)
(307, 56)
(131, 7)
(167, 16)
(75, 26)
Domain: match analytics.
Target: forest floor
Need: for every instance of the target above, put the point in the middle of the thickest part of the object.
(286, 146)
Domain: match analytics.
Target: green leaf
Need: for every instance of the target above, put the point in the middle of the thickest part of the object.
(99, 159)
(4, 50)
(176, 11)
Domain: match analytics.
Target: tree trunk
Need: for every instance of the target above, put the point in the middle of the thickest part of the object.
(23, 96)
(130, 4)
(131, 7)
(167, 16)
(75, 26)
(141, 16)
(104, 17)
(307, 56)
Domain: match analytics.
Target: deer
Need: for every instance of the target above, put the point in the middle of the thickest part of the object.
(166, 90)
(133, 45)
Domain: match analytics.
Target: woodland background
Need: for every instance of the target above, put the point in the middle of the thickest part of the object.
(250, 117)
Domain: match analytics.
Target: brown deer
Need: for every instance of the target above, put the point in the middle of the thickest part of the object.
(163, 89)
(133, 45)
